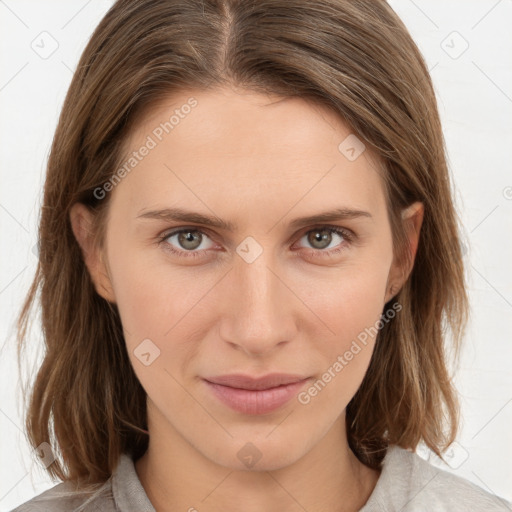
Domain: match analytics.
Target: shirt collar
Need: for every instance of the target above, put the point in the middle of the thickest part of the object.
(129, 495)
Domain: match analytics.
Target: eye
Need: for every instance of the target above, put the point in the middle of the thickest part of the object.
(188, 241)
(321, 238)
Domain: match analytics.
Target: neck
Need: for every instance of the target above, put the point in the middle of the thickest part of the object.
(329, 477)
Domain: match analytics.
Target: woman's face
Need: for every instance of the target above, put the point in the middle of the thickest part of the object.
(266, 294)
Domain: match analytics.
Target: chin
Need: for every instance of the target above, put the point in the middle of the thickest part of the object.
(258, 452)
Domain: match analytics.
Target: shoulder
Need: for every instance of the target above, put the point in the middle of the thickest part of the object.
(411, 484)
(122, 491)
(64, 497)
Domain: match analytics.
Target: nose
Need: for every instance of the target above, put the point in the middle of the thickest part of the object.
(258, 309)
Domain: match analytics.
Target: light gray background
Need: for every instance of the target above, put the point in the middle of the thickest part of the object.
(474, 88)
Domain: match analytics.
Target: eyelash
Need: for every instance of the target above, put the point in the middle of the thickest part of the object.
(346, 234)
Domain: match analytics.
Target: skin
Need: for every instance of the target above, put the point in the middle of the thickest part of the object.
(258, 161)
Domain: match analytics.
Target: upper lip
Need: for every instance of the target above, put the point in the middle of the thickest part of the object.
(268, 381)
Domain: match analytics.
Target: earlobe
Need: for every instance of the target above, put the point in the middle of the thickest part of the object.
(81, 219)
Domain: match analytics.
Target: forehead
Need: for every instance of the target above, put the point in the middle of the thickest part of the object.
(230, 147)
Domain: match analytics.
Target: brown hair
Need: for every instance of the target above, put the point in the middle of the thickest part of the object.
(354, 56)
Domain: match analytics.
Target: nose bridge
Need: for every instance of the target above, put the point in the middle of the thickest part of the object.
(257, 316)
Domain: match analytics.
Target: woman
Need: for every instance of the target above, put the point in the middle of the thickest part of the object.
(248, 260)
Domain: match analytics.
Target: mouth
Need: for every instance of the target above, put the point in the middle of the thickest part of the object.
(255, 395)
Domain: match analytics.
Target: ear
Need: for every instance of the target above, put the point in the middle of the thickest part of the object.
(81, 219)
(412, 217)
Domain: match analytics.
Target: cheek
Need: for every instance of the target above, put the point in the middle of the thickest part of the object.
(139, 293)
(351, 307)
(164, 305)
(349, 300)
(149, 295)
(153, 305)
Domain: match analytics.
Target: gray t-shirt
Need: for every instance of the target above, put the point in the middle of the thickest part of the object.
(407, 483)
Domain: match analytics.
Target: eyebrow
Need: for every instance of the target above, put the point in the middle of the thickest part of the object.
(179, 214)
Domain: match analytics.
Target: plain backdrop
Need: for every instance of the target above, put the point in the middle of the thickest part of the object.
(468, 48)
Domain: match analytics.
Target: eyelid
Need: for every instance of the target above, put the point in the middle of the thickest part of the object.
(348, 235)
(172, 231)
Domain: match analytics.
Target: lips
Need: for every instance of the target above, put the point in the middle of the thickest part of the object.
(255, 395)
(256, 383)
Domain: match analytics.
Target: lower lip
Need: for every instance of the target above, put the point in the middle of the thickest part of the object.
(249, 401)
